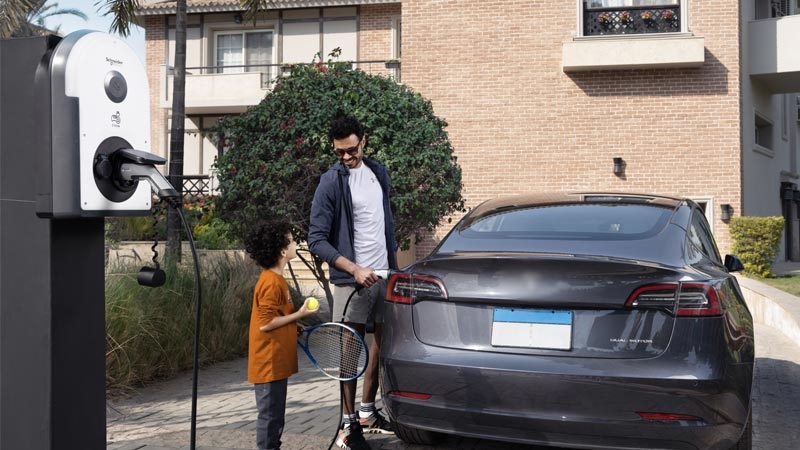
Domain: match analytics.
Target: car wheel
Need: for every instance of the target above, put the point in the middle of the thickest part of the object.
(746, 441)
(416, 436)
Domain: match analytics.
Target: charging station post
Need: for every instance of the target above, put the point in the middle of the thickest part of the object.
(71, 112)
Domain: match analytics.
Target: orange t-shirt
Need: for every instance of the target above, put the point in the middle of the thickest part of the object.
(272, 355)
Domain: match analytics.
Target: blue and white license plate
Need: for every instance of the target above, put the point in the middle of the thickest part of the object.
(532, 328)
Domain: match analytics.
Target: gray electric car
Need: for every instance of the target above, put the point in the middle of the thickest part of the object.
(588, 320)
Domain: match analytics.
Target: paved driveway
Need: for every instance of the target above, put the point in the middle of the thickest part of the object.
(158, 417)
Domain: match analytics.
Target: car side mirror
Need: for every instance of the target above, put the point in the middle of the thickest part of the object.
(733, 264)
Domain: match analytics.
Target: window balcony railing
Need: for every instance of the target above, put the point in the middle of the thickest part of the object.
(631, 20)
(231, 89)
(269, 72)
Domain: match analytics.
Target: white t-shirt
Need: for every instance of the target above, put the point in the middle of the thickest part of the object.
(368, 221)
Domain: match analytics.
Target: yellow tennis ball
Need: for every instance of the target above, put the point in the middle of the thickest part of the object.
(313, 304)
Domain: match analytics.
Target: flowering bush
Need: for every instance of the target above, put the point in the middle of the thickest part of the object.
(604, 18)
(647, 16)
(668, 15)
(625, 17)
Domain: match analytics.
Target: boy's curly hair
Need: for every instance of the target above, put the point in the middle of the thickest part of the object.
(265, 241)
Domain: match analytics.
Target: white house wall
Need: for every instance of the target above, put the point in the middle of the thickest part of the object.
(763, 169)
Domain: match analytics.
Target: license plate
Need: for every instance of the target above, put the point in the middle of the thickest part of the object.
(532, 328)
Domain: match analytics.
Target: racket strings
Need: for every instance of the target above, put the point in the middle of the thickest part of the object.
(338, 352)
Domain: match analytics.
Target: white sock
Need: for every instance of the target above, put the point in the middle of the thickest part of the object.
(347, 419)
(366, 410)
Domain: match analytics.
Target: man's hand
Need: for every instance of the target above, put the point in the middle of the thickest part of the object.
(365, 276)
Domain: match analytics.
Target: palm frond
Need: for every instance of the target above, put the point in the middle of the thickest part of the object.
(123, 14)
(13, 14)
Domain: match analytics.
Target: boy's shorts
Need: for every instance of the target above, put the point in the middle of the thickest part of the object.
(358, 307)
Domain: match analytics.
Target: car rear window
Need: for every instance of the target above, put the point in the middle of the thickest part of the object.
(570, 221)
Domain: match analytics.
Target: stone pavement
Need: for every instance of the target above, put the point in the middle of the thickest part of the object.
(158, 417)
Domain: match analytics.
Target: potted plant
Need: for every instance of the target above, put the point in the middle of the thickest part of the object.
(625, 17)
(646, 16)
(668, 15)
(604, 18)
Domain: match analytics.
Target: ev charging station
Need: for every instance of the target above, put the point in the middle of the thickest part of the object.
(74, 141)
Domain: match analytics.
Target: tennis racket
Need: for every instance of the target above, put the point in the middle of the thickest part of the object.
(335, 349)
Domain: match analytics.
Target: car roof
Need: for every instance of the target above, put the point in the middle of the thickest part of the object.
(556, 198)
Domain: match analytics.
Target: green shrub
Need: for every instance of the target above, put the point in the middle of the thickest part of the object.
(208, 230)
(150, 331)
(755, 242)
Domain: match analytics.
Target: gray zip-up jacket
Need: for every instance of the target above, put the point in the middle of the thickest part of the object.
(330, 232)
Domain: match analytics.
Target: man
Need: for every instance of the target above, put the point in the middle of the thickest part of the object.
(352, 229)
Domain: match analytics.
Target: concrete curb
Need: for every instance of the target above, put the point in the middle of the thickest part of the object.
(772, 307)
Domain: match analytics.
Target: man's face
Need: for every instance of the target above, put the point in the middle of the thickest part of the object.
(349, 150)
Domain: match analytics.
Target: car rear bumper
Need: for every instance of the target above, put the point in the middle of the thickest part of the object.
(578, 406)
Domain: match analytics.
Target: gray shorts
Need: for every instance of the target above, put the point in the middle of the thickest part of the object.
(358, 307)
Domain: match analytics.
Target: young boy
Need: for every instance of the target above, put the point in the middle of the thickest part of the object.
(272, 355)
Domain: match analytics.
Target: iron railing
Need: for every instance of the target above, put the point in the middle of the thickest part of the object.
(269, 72)
(631, 20)
(196, 185)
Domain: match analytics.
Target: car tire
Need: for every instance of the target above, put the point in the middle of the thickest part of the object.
(746, 441)
(416, 436)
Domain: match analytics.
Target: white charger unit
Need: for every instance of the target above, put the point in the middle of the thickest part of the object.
(99, 103)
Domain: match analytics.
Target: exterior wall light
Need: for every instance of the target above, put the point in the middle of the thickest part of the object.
(619, 166)
(727, 212)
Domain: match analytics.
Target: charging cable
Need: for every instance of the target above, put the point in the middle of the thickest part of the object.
(130, 167)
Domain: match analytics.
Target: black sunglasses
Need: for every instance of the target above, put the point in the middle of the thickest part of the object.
(352, 151)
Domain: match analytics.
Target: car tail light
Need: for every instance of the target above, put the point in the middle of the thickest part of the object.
(414, 395)
(408, 288)
(693, 299)
(669, 417)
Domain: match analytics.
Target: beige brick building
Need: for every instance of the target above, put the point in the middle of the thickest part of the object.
(697, 98)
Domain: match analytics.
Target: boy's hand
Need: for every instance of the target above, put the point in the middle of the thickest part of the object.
(310, 306)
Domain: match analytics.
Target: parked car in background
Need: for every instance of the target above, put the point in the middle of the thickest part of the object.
(588, 320)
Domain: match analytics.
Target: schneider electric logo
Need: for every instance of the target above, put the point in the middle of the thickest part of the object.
(113, 62)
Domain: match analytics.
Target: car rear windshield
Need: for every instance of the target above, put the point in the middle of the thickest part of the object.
(581, 221)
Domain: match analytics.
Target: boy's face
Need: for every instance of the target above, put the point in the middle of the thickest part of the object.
(291, 249)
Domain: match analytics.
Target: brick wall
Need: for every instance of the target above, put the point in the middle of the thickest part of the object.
(520, 124)
(374, 34)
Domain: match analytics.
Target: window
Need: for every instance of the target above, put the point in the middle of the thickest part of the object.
(785, 113)
(779, 8)
(798, 97)
(615, 3)
(765, 9)
(250, 51)
(700, 235)
(763, 131)
(604, 17)
(572, 221)
(706, 207)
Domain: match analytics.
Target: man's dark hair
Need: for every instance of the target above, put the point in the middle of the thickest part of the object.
(265, 241)
(344, 126)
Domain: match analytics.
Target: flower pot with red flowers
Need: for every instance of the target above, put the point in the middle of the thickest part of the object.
(625, 18)
(669, 15)
(647, 17)
(604, 19)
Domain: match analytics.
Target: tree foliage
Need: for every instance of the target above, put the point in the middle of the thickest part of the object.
(25, 18)
(275, 153)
